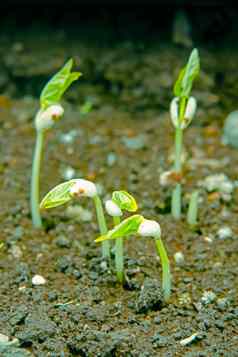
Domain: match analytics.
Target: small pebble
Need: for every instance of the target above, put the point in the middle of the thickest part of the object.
(157, 320)
(218, 182)
(69, 137)
(111, 159)
(52, 296)
(208, 297)
(224, 233)
(179, 258)
(79, 213)
(186, 341)
(3, 338)
(62, 242)
(68, 173)
(134, 143)
(222, 303)
(165, 178)
(208, 239)
(185, 299)
(17, 234)
(16, 251)
(77, 274)
(38, 280)
(103, 265)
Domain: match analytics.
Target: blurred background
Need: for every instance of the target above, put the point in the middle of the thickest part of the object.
(130, 51)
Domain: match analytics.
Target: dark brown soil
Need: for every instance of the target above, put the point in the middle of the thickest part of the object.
(81, 310)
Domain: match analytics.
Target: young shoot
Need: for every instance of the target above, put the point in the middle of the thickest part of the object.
(182, 111)
(137, 224)
(50, 111)
(121, 201)
(193, 209)
(74, 189)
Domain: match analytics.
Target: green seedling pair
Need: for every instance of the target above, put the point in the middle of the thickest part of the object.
(134, 225)
(138, 225)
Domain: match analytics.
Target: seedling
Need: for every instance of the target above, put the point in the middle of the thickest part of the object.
(137, 224)
(182, 111)
(121, 201)
(73, 189)
(50, 111)
(193, 209)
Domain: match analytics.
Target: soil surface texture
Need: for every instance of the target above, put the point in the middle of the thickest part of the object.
(125, 141)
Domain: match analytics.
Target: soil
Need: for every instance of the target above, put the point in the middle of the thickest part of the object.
(81, 310)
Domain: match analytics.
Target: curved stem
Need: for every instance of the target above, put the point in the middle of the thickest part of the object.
(176, 195)
(166, 277)
(35, 180)
(119, 258)
(102, 226)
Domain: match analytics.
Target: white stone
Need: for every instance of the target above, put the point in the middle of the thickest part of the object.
(208, 297)
(224, 233)
(3, 338)
(218, 182)
(103, 265)
(113, 209)
(179, 258)
(186, 341)
(79, 213)
(165, 178)
(208, 239)
(69, 137)
(16, 251)
(68, 173)
(38, 280)
(149, 228)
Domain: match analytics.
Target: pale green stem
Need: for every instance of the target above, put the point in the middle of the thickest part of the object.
(166, 277)
(35, 180)
(177, 192)
(119, 258)
(102, 226)
(193, 209)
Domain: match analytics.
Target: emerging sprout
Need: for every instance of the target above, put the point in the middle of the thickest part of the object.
(50, 111)
(149, 228)
(113, 209)
(77, 188)
(188, 115)
(45, 119)
(83, 188)
(121, 201)
(182, 111)
(137, 224)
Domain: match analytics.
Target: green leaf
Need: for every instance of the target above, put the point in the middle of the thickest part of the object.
(57, 85)
(58, 196)
(124, 200)
(125, 228)
(183, 85)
